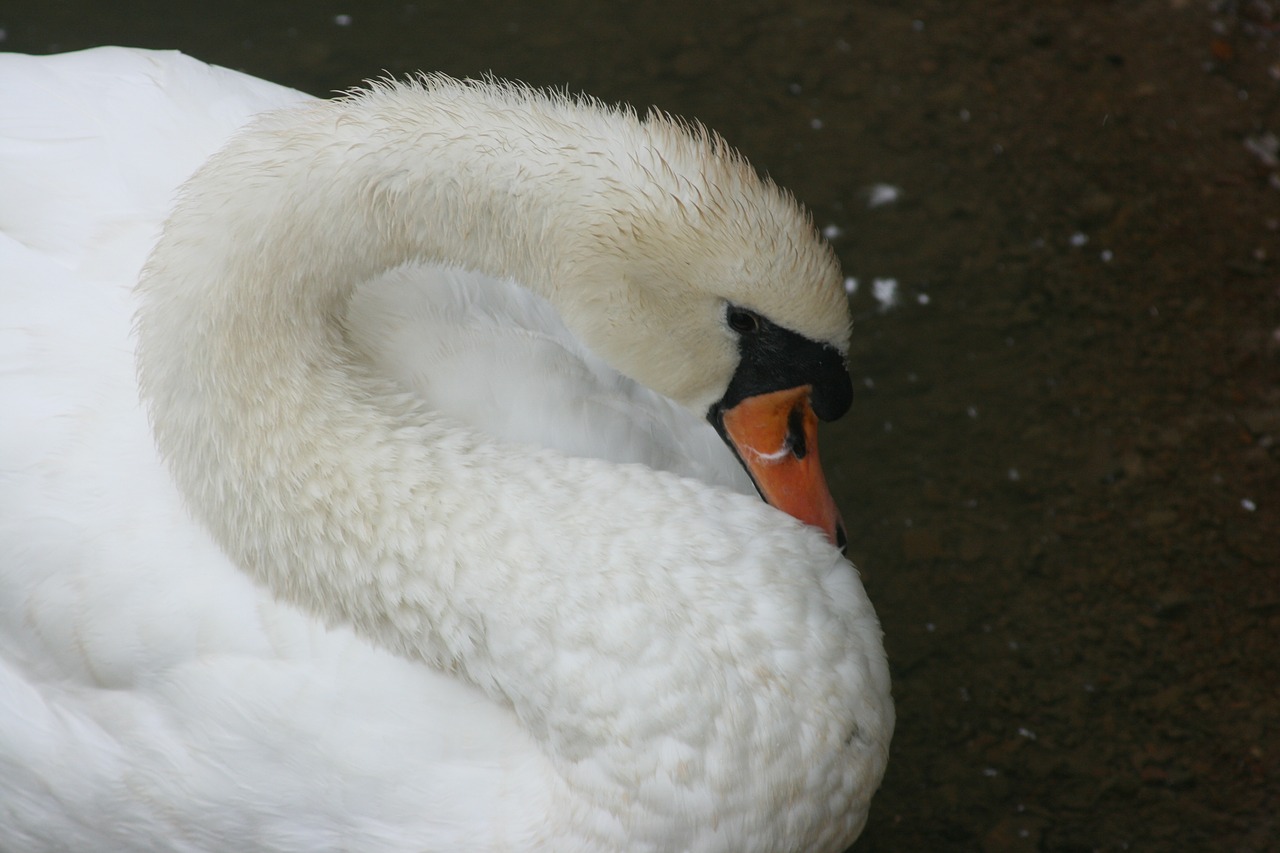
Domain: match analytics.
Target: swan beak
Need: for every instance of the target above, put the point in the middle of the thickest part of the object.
(776, 437)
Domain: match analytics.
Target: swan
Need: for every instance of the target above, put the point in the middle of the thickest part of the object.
(411, 499)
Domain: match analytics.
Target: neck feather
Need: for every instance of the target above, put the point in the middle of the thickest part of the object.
(323, 479)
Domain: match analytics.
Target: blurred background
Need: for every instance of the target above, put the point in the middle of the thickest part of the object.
(1060, 225)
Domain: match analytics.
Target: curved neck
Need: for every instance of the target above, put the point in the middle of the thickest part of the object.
(329, 483)
(537, 577)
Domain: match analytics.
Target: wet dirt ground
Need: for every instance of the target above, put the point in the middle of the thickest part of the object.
(1062, 471)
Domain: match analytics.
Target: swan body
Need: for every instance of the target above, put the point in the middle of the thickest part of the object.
(409, 532)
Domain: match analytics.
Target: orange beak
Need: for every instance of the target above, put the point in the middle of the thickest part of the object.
(776, 437)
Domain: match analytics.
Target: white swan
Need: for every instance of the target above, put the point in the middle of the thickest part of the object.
(356, 606)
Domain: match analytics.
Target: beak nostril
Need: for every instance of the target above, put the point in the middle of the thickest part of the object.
(795, 433)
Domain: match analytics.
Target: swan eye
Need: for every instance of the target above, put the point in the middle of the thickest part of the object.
(743, 321)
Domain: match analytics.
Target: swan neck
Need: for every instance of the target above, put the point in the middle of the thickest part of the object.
(307, 467)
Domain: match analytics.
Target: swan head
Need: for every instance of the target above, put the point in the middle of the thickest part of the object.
(709, 284)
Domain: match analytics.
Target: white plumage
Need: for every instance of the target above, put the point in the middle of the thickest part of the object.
(393, 589)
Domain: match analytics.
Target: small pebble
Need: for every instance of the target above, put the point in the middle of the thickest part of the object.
(879, 195)
(885, 290)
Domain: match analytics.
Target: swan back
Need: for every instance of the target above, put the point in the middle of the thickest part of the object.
(434, 330)
(73, 129)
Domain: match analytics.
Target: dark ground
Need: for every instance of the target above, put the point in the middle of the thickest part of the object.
(1061, 473)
